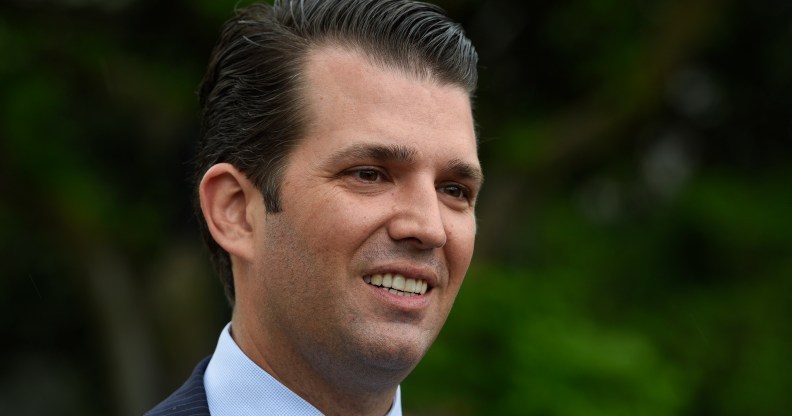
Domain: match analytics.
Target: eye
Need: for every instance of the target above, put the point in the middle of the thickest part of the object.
(455, 191)
(366, 175)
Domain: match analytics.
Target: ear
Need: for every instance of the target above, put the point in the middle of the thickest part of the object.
(230, 202)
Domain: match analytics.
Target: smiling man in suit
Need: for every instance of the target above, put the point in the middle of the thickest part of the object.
(336, 183)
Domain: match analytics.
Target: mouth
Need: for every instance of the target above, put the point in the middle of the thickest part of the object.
(397, 284)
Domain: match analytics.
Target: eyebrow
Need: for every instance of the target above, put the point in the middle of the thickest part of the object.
(378, 152)
(465, 170)
(399, 153)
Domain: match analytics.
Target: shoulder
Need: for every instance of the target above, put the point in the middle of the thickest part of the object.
(189, 399)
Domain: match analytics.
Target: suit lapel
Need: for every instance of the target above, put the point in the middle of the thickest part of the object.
(189, 399)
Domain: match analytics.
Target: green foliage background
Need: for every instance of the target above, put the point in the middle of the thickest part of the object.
(634, 254)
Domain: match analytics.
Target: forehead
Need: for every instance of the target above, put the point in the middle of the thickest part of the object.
(347, 94)
(358, 60)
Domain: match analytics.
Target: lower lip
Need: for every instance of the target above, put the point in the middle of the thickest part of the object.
(406, 303)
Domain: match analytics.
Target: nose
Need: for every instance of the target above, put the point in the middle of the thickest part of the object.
(418, 218)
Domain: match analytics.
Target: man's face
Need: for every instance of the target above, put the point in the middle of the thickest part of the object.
(381, 188)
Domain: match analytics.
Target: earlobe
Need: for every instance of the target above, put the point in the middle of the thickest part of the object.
(227, 198)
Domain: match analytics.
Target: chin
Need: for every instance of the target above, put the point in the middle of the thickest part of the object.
(396, 353)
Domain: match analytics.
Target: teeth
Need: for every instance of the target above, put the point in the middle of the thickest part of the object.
(376, 280)
(397, 284)
(387, 280)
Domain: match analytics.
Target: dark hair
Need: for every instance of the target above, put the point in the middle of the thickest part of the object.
(250, 94)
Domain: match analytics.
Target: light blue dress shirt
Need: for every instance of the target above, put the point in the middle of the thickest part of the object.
(236, 386)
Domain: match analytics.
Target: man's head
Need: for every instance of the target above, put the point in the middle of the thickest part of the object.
(340, 183)
(253, 92)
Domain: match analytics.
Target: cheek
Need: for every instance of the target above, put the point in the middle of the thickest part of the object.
(461, 239)
(337, 224)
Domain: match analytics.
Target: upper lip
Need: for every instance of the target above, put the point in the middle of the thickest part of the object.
(409, 272)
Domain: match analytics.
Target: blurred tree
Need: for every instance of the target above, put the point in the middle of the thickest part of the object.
(635, 241)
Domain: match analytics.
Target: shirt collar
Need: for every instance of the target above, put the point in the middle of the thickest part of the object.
(235, 385)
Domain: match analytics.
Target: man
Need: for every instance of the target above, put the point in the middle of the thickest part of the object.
(337, 178)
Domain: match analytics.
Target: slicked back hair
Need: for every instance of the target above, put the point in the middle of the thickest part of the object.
(253, 113)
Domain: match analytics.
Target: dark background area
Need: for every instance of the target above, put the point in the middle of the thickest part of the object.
(634, 254)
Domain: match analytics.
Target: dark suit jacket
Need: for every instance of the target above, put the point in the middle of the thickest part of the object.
(189, 399)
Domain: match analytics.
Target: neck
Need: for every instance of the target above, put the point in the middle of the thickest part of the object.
(334, 388)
